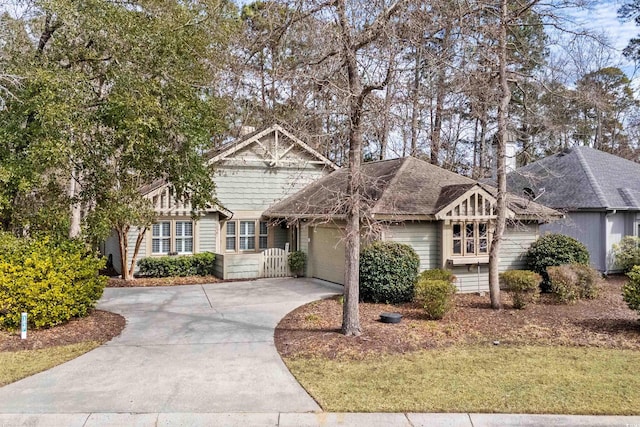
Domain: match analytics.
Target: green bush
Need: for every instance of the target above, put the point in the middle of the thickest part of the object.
(388, 272)
(627, 253)
(631, 290)
(202, 264)
(50, 281)
(297, 262)
(438, 274)
(523, 284)
(435, 296)
(553, 250)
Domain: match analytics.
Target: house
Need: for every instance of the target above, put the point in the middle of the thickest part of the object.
(251, 174)
(599, 192)
(447, 218)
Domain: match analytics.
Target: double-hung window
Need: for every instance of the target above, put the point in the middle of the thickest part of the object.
(184, 237)
(161, 238)
(470, 239)
(246, 235)
(172, 237)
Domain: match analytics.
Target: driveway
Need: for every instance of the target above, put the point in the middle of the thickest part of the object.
(200, 348)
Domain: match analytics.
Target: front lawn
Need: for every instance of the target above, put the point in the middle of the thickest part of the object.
(560, 380)
(548, 358)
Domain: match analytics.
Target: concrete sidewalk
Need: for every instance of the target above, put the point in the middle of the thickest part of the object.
(308, 420)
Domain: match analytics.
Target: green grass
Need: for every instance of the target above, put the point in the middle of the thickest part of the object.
(20, 364)
(561, 380)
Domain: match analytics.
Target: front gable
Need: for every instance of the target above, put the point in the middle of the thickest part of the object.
(474, 204)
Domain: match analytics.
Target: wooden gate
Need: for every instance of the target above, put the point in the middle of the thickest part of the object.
(275, 263)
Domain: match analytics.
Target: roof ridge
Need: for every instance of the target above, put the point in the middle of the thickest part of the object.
(396, 175)
(592, 179)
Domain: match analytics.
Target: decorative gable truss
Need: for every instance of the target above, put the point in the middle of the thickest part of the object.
(467, 227)
(165, 204)
(476, 204)
(272, 147)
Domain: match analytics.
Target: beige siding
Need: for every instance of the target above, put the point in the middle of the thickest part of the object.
(424, 237)
(242, 266)
(207, 233)
(304, 238)
(249, 188)
(517, 240)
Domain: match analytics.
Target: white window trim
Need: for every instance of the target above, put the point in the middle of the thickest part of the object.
(238, 229)
(173, 237)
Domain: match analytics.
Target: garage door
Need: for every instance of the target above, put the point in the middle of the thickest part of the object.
(327, 254)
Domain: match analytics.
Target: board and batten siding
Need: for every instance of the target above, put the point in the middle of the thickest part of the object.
(587, 227)
(423, 237)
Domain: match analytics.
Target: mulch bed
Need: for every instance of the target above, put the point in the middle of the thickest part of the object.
(314, 329)
(115, 282)
(100, 326)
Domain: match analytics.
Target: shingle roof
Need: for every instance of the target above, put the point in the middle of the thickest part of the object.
(402, 187)
(580, 178)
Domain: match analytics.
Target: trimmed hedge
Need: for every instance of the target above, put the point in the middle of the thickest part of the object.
(523, 284)
(51, 281)
(435, 296)
(553, 250)
(202, 264)
(388, 272)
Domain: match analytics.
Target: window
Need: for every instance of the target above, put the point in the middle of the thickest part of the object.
(231, 236)
(161, 239)
(470, 239)
(171, 237)
(184, 237)
(247, 235)
(263, 240)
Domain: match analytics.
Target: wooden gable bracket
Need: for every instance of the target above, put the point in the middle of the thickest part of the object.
(474, 204)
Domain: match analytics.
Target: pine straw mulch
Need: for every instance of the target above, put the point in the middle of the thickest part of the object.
(115, 282)
(100, 326)
(314, 329)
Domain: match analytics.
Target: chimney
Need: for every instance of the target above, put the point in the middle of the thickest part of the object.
(246, 130)
(510, 152)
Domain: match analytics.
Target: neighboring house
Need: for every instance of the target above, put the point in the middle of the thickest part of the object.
(447, 218)
(250, 174)
(599, 192)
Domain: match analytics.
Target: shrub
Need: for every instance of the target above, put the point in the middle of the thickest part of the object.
(202, 264)
(435, 296)
(388, 272)
(297, 262)
(631, 290)
(50, 281)
(524, 284)
(589, 281)
(553, 250)
(438, 274)
(627, 253)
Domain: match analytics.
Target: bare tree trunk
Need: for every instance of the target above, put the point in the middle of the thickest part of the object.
(415, 103)
(350, 314)
(75, 218)
(501, 206)
(123, 244)
(384, 138)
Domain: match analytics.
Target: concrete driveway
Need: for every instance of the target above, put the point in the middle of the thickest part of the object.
(200, 348)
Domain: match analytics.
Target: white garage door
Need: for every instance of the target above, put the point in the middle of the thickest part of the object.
(327, 254)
